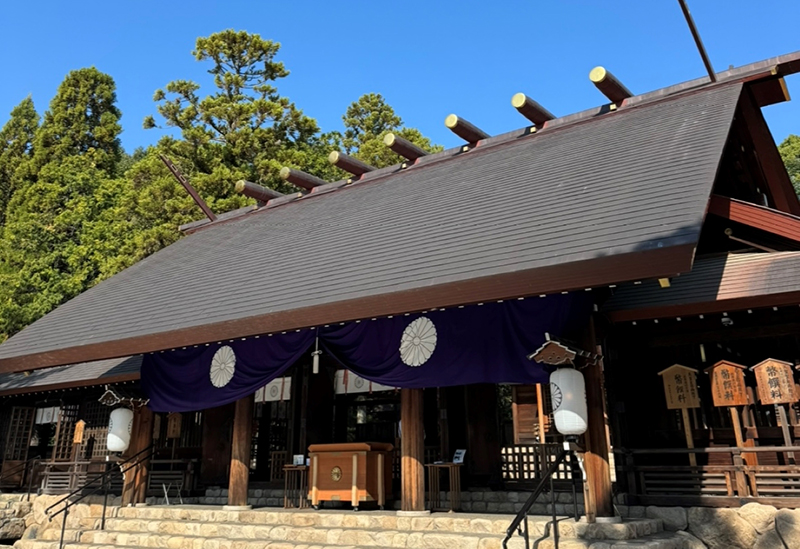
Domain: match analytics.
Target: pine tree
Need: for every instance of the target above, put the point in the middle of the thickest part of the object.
(16, 146)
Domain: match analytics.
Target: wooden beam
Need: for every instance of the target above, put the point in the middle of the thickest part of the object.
(254, 190)
(609, 85)
(465, 130)
(412, 448)
(301, 179)
(754, 215)
(531, 110)
(599, 495)
(768, 157)
(240, 451)
(403, 147)
(349, 164)
(188, 186)
(769, 91)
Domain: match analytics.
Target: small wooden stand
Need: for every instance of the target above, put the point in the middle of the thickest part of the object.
(434, 493)
(295, 491)
(680, 390)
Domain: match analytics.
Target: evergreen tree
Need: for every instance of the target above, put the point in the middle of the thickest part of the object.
(244, 129)
(16, 146)
(56, 238)
(790, 152)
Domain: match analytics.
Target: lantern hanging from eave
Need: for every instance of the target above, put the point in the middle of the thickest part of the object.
(568, 395)
(120, 425)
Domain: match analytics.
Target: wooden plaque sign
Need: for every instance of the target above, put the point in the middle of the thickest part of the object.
(775, 382)
(77, 438)
(727, 384)
(174, 425)
(680, 387)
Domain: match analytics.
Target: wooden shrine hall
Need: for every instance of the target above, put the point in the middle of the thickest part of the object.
(659, 233)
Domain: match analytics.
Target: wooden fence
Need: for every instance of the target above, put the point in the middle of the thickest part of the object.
(722, 485)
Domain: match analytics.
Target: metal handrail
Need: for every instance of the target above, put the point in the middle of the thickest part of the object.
(24, 468)
(93, 480)
(106, 477)
(520, 522)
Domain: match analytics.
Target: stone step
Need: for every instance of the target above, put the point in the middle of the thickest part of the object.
(212, 522)
(35, 544)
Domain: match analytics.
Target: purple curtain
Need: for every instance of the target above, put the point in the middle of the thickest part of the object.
(459, 346)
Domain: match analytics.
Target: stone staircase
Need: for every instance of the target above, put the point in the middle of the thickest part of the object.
(211, 527)
(13, 510)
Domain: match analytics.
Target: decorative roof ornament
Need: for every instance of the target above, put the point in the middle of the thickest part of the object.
(418, 342)
(223, 366)
(555, 352)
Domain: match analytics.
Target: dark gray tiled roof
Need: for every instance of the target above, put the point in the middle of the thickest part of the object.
(720, 281)
(629, 181)
(84, 374)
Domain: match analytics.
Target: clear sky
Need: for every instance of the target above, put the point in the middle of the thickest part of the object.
(428, 58)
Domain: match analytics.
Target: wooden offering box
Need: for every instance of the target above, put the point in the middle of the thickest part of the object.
(354, 472)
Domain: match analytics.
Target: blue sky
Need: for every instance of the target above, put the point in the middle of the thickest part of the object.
(427, 58)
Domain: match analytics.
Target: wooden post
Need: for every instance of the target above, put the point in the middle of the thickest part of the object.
(540, 410)
(412, 469)
(134, 489)
(599, 502)
(240, 451)
(787, 437)
(687, 430)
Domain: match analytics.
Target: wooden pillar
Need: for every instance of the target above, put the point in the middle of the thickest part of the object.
(412, 445)
(599, 500)
(240, 451)
(134, 489)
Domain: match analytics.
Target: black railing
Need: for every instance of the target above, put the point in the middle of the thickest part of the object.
(27, 469)
(132, 462)
(520, 523)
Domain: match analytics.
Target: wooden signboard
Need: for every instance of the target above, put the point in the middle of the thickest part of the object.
(775, 382)
(776, 386)
(77, 438)
(680, 387)
(680, 390)
(174, 421)
(727, 384)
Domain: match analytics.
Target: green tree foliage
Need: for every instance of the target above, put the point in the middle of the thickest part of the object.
(16, 147)
(55, 240)
(83, 119)
(367, 121)
(244, 129)
(79, 209)
(790, 152)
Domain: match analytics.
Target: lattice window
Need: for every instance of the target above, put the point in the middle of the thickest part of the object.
(62, 450)
(19, 433)
(96, 416)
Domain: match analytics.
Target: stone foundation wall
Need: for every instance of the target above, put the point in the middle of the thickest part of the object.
(753, 526)
(13, 510)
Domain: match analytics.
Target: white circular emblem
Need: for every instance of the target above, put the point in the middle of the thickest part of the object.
(418, 342)
(222, 366)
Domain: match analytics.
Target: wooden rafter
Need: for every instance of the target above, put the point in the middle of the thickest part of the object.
(769, 159)
(755, 216)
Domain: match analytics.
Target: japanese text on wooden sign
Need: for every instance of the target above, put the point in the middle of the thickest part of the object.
(680, 387)
(775, 382)
(77, 438)
(174, 421)
(727, 384)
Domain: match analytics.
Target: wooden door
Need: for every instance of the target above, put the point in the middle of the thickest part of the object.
(20, 428)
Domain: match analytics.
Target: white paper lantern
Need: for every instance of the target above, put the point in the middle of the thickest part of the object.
(120, 425)
(568, 394)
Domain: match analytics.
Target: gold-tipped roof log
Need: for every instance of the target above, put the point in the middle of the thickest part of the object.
(531, 110)
(349, 164)
(403, 147)
(301, 179)
(254, 190)
(609, 85)
(464, 129)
